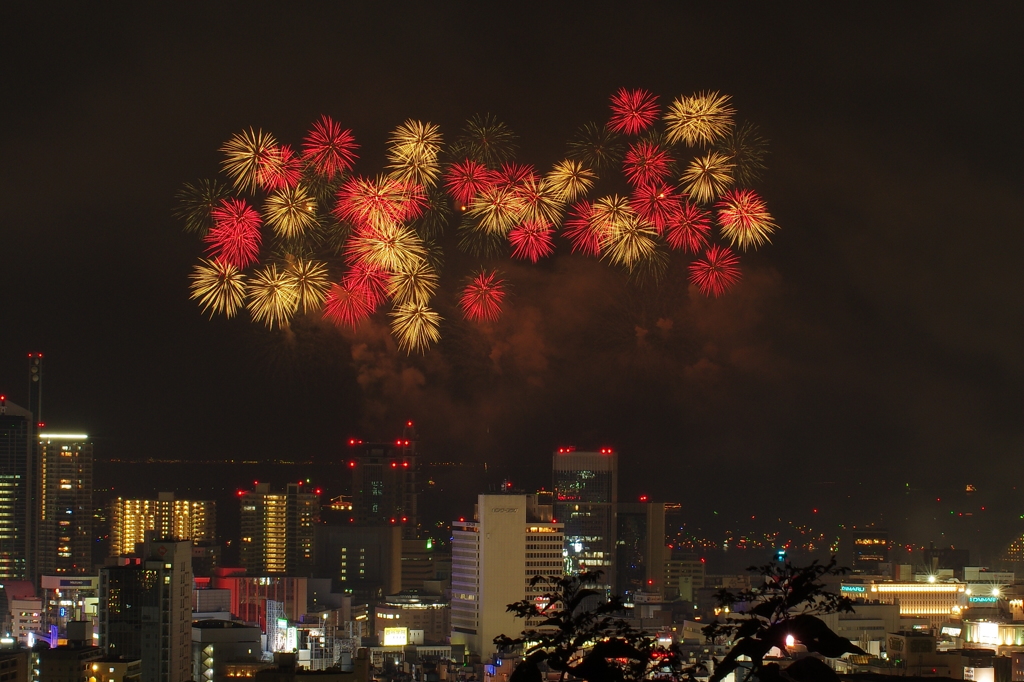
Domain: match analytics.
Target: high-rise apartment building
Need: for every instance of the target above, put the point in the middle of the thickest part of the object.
(278, 529)
(65, 507)
(17, 480)
(640, 549)
(164, 517)
(586, 486)
(145, 611)
(385, 484)
(510, 539)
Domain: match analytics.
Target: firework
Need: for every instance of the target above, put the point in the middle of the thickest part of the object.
(486, 140)
(497, 209)
(392, 248)
(646, 163)
(415, 327)
(716, 272)
(533, 240)
(569, 180)
(280, 170)
(596, 146)
(689, 229)
(246, 154)
(328, 149)
(747, 149)
(744, 219)
(413, 153)
(631, 243)
(467, 179)
(610, 214)
(514, 174)
(235, 237)
(346, 305)
(380, 202)
(540, 202)
(309, 280)
(481, 299)
(290, 211)
(196, 203)
(272, 296)
(632, 111)
(219, 286)
(371, 282)
(707, 177)
(580, 229)
(700, 119)
(657, 203)
(414, 285)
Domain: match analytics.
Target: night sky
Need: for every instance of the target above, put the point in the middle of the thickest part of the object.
(876, 342)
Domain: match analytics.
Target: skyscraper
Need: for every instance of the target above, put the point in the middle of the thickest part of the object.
(145, 611)
(278, 529)
(510, 539)
(65, 506)
(17, 515)
(166, 517)
(586, 486)
(640, 549)
(385, 484)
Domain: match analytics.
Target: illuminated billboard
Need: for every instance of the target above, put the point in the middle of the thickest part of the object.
(396, 636)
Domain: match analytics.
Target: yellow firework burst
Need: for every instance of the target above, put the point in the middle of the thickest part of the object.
(497, 209)
(631, 243)
(310, 281)
(219, 287)
(541, 203)
(745, 219)
(610, 215)
(273, 298)
(245, 156)
(413, 151)
(707, 177)
(570, 179)
(415, 327)
(699, 119)
(290, 211)
(414, 285)
(392, 248)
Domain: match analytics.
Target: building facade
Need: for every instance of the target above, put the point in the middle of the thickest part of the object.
(640, 551)
(17, 485)
(66, 511)
(586, 486)
(385, 484)
(164, 517)
(278, 530)
(494, 558)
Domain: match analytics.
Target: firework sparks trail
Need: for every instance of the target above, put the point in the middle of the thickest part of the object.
(235, 237)
(345, 305)
(707, 177)
(481, 299)
(467, 179)
(273, 298)
(329, 149)
(716, 272)
(632, 111)
(497, 209)
(532, 240)
(689, 230)
(700, 119)
(196, 203)
(310, 280)
(414, 285)
(744, 219)
(657, 203)
(580, 229)
(569, 180)
(218, 286)
(371, 282)
(379, 203)
(281, 169)
(415, 327)
(290, 211)
(245, 155)
(391, 248)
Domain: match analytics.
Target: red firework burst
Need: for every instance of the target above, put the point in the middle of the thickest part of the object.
(716, 272)
(532, 240)
(632, 111)
(481, 299)
(657, 204)
(281, 168)
(374, 203)
(235, 237)
(370, 282)
(689, 229)
(465, 180)
(579, 229)
(328, 149)
(513, 174)
(744, 218)
(646, 163)
(346, 305)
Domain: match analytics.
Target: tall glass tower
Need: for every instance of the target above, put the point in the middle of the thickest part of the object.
(586, 488)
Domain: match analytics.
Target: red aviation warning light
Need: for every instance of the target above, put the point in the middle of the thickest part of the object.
(607, 451)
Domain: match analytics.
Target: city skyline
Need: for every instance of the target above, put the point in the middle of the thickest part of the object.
(862, 346)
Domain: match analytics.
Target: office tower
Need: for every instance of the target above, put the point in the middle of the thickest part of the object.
(145, 611)
(364, 561)
(165, 517)
(250, 595)
(385, 484)
(586, 489)
(640, 551)
(17, 515)
(65, 519)
(278, 529)
(510, 539)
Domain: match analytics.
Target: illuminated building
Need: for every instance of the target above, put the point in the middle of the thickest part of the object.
(222, 650)
(937, 602)
(65, 521)
(26, 618)
(164, 517)
(278, 529)
(640, 551)
(586, 486)
(69, 598)
(145, 611)
(684, 575)
(385, 484)
(17, 475)
(415, 611)
(869, 547)
(417, 563)
(510, 539)
(250, 594)
(364, 561)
